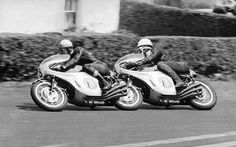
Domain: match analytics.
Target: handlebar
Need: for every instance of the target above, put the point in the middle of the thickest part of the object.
(131, 66)
(55, 67)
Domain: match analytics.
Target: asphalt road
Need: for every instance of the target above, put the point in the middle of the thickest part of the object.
(23, 124)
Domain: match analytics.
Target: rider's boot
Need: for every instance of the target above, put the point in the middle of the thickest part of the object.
(173, 75)
(179, 84)
(176, 78)
(106, 85)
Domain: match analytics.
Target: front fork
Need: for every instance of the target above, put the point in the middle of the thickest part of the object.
(51, 79)
(53, 83)
(129, 82)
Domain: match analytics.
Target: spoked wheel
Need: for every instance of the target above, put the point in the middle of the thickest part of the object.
(47, 99)
(207, 100)
(131, 101)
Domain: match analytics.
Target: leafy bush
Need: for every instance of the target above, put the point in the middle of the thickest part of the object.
(194, 4)
(144, 19)
(197, 4)
(205, 55)
(20, 55)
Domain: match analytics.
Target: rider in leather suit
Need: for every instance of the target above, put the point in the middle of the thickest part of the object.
(80, 56)
(154, 56)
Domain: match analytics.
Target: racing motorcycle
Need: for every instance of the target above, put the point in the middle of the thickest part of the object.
(54, 89)
(158, 88)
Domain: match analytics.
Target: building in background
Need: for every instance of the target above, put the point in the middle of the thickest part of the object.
(36, 16)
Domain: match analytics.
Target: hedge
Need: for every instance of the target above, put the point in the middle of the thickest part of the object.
(193, 4)
(206, 56)
(145, 19)
(20, 55)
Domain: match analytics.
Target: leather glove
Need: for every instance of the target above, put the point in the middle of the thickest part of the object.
(63, 67)
(130, 65)
(59, 67)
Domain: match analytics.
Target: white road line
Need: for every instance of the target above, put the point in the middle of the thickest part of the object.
(176, 140)
(224, 144)
(63, 145)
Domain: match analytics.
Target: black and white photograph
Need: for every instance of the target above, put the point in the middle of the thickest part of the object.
(117, 73)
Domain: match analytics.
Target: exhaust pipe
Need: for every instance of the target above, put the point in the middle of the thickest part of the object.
(117, 95)
(124, 90)
(113, 89)
(191, 91)
(189, 88)
(191, 95)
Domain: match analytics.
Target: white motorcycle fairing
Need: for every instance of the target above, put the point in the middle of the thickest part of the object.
(55, 89)
(81, 81)
(159, 83)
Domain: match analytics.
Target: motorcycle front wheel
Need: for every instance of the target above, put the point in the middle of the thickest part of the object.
(47, 99)
(131, 101)
(208, 98)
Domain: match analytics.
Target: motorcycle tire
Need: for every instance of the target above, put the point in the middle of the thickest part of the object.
(131, 101)
(55, 100)
(208, 99)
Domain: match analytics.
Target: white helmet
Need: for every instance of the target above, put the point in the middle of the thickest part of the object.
(65, 43)
(145, 42)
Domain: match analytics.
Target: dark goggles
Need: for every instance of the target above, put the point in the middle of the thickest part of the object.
(144, 49)
(65, 49)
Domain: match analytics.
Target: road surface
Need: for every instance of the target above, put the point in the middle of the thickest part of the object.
(23, 124)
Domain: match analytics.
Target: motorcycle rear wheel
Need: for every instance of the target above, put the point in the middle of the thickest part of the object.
(55, 100)
(131, 101)
(208, 99)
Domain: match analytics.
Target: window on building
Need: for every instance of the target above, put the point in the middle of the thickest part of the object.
(70, 12)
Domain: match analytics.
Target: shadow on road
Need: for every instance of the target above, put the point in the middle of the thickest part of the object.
(175, 107)
(97, 108)
(29, 107)
(34, 107)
